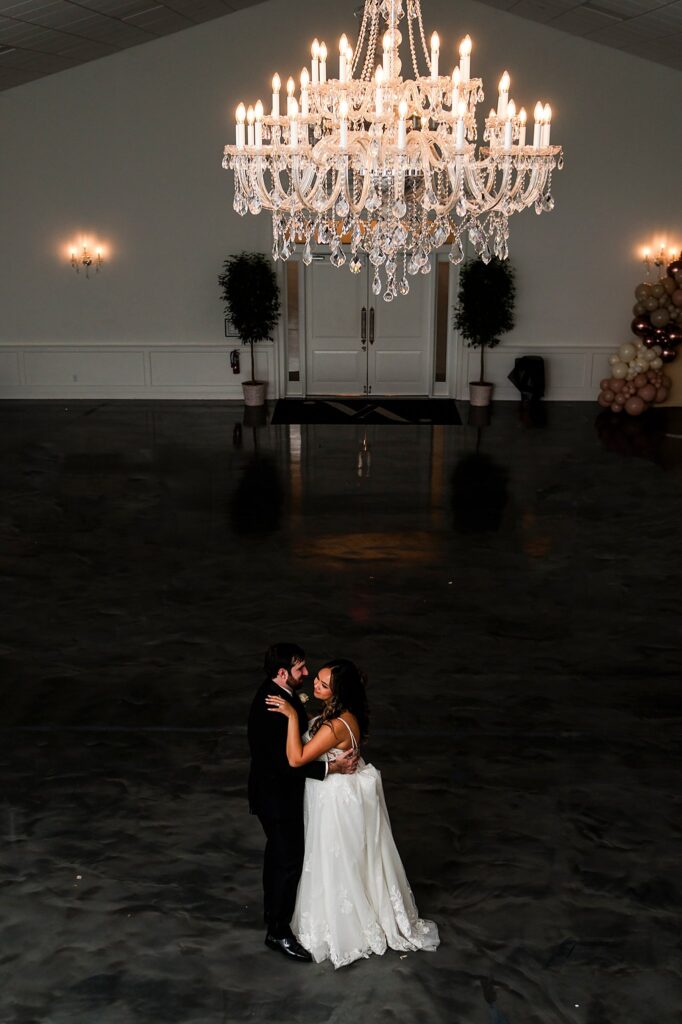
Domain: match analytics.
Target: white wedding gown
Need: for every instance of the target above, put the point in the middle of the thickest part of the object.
(354, 898)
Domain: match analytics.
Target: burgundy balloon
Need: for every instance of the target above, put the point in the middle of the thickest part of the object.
(674, 335)
(635, 406)
(668, 355)
(649, 340)
(674, 268)
(641, 325)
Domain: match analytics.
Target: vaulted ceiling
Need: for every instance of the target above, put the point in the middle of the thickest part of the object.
(42, 37)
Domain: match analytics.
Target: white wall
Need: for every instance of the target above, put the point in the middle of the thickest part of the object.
(128, 149)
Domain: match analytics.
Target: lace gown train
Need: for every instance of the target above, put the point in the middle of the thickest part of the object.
(354, 898)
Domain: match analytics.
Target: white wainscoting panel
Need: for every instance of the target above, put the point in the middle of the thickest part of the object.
(571, 373)
(131, 371)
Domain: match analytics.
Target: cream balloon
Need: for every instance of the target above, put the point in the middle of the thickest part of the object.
(627, 351)
(613, 360)
(620, 370)
(656, 363)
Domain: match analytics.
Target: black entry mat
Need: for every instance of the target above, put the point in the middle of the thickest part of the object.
(400, 411)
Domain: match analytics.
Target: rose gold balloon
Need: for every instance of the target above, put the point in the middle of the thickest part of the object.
(616, 385)
(617, 407)
(602, 400)
(620, 400)
(640, 380)
(647, 393)
(677, 296)
(635, 406)
(661, 395)
(605, 383)
(608, 395)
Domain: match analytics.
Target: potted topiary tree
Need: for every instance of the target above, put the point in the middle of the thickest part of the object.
(484, 310)
(251, 296)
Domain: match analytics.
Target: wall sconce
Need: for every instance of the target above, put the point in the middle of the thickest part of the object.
(660, 258)
(86, 259)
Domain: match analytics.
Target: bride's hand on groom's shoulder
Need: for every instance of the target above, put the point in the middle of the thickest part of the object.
(281, 705)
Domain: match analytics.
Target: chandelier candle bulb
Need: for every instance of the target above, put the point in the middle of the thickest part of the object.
(291, 86)
(402, 130)
(456, 78)
(522, 126)
(379, 92)
(250, 118)
(465, 58)
(538, 114)
(503, 95)
(435, 50)
(343, 47)
(258, 111)
(508, 124)
(546, 127)
(315, 62)
(387, 54)
(276, 86)
(241, 117)
(323, 63)
(305, 99)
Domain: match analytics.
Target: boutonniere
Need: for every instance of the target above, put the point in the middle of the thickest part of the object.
(304, 698)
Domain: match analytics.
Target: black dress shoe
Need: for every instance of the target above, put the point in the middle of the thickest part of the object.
(289, 947)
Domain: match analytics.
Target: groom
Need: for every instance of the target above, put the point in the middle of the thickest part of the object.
(276, 793)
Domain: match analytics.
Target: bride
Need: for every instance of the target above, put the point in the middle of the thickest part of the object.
(353, 898)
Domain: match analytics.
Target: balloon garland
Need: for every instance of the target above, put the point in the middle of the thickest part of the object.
(637, 380)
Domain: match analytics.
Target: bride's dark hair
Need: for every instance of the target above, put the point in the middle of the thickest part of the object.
(347, 684)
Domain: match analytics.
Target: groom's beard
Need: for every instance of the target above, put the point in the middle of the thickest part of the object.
(295, 684)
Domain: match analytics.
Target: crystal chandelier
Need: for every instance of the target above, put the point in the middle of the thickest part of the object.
(386, 164)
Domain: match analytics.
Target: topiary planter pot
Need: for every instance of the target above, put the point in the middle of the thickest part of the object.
(254, 392)
(480, 393)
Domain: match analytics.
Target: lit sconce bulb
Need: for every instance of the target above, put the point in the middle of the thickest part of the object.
(386, 41)
(315, 49)
(250, 115)
(646, 253)
(673, 252)
(258, 110)
(511, 109)
(323, 51)
(379, 75)
(505, 82)
(323, 63)
(291, 85)
(241, 114)
(435, 41)
(547, 113)
(250, 118)
(343, 44)
(402, 109)
(456, 77)
(240, 135)
(539, 111)
(465, 47)
(305, 78)
(492, 112)
(523, 116)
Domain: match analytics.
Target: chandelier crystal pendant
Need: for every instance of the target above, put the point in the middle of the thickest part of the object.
(390, 165)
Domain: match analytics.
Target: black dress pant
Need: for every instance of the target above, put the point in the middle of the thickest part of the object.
(282, 867)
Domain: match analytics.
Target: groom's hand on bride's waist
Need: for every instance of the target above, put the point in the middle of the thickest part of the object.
(344, 764)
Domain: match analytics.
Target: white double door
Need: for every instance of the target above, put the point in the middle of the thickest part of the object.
(358, 344)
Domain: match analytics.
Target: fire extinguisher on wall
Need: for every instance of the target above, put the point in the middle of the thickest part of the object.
(234, 360)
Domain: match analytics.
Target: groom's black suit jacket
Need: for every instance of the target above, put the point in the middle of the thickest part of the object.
(275, 788)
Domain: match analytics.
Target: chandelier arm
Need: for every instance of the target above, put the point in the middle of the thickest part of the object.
(268, 195)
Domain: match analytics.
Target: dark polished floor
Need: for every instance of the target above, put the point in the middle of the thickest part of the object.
(513, 593)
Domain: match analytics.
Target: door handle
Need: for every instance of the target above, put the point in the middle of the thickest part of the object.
(371, 325)
(363, 326)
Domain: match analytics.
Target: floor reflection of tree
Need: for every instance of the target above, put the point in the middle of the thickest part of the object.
(478, 492)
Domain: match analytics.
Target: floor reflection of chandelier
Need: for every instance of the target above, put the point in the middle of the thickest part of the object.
(386, 164)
